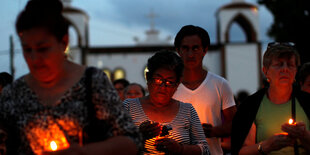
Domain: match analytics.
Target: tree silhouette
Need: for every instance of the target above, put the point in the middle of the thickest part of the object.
(291, 23)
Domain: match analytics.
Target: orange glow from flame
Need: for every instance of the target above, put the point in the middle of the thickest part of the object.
(51, 138)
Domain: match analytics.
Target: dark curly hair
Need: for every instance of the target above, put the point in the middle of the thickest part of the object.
(43, 14)
(165, 59)
(190, 30)
(5, 79)
(124, 82)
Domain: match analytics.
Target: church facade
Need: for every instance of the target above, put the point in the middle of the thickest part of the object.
(239, 63)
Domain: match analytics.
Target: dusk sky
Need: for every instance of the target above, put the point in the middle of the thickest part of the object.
(117, 22)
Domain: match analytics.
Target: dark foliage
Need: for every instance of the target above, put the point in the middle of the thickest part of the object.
(291, 23)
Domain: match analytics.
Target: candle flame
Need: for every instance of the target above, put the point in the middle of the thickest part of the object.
(290, 121)
(53, 145)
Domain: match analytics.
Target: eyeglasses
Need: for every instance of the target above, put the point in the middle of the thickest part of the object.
(288, 44)
(166, 83)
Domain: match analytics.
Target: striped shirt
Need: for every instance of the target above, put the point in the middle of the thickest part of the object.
(186, 126)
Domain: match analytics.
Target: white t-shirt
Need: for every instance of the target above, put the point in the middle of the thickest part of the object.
(209, 99)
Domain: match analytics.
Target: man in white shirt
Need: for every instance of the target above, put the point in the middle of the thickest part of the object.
(209, 93)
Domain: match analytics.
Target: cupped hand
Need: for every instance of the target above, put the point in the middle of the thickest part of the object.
(277, 142)
(207, 128)
(149, 129)
(296, 130)
(168, 145)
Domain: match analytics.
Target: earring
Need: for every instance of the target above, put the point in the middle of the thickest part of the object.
(268, 80)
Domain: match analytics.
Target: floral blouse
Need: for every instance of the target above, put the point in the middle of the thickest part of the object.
(46, 128)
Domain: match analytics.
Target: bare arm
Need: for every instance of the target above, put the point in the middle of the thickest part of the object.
(191, 149)
(223, 130)
(173, 147)
(249, 146)
(273, 143)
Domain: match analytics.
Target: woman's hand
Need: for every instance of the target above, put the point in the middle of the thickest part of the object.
(296, 130)
(149, 129)
(169, 145)
(277, 142)
(207, 128)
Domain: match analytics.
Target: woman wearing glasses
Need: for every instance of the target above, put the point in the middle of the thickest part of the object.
(167, 125)
(260, 125)
(60, 107)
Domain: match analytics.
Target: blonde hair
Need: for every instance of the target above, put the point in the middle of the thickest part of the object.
(280, 50)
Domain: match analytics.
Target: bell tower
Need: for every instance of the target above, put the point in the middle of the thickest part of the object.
(242, 59)
(79, 21)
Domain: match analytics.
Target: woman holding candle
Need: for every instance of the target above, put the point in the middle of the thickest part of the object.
(167, 125)
(62, 106)
(260, 125)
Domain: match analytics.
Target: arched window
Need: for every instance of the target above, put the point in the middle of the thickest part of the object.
(236, 33)
(241, 24)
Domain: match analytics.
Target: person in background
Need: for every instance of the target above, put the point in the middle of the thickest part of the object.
(60, 107)
(134, 90)
(304, 77)
(241, 96)
(167, 125)
(226, 141)
(209, 93)
(120, 85)
(5, 79)
(261, 124)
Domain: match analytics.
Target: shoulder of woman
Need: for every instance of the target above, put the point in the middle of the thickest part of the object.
(130, 101)
(9, 95)
(256, 97)
(17, 86)
(95, 72)
(187, 107)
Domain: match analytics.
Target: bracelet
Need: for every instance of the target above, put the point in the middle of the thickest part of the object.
(260, 149)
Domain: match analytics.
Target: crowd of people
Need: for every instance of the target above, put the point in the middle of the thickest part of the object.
(61, 107)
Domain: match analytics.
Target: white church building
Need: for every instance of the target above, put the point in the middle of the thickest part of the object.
(239, 63)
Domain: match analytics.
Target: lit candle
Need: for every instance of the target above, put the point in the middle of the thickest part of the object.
(291, 121)
(53, 146)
